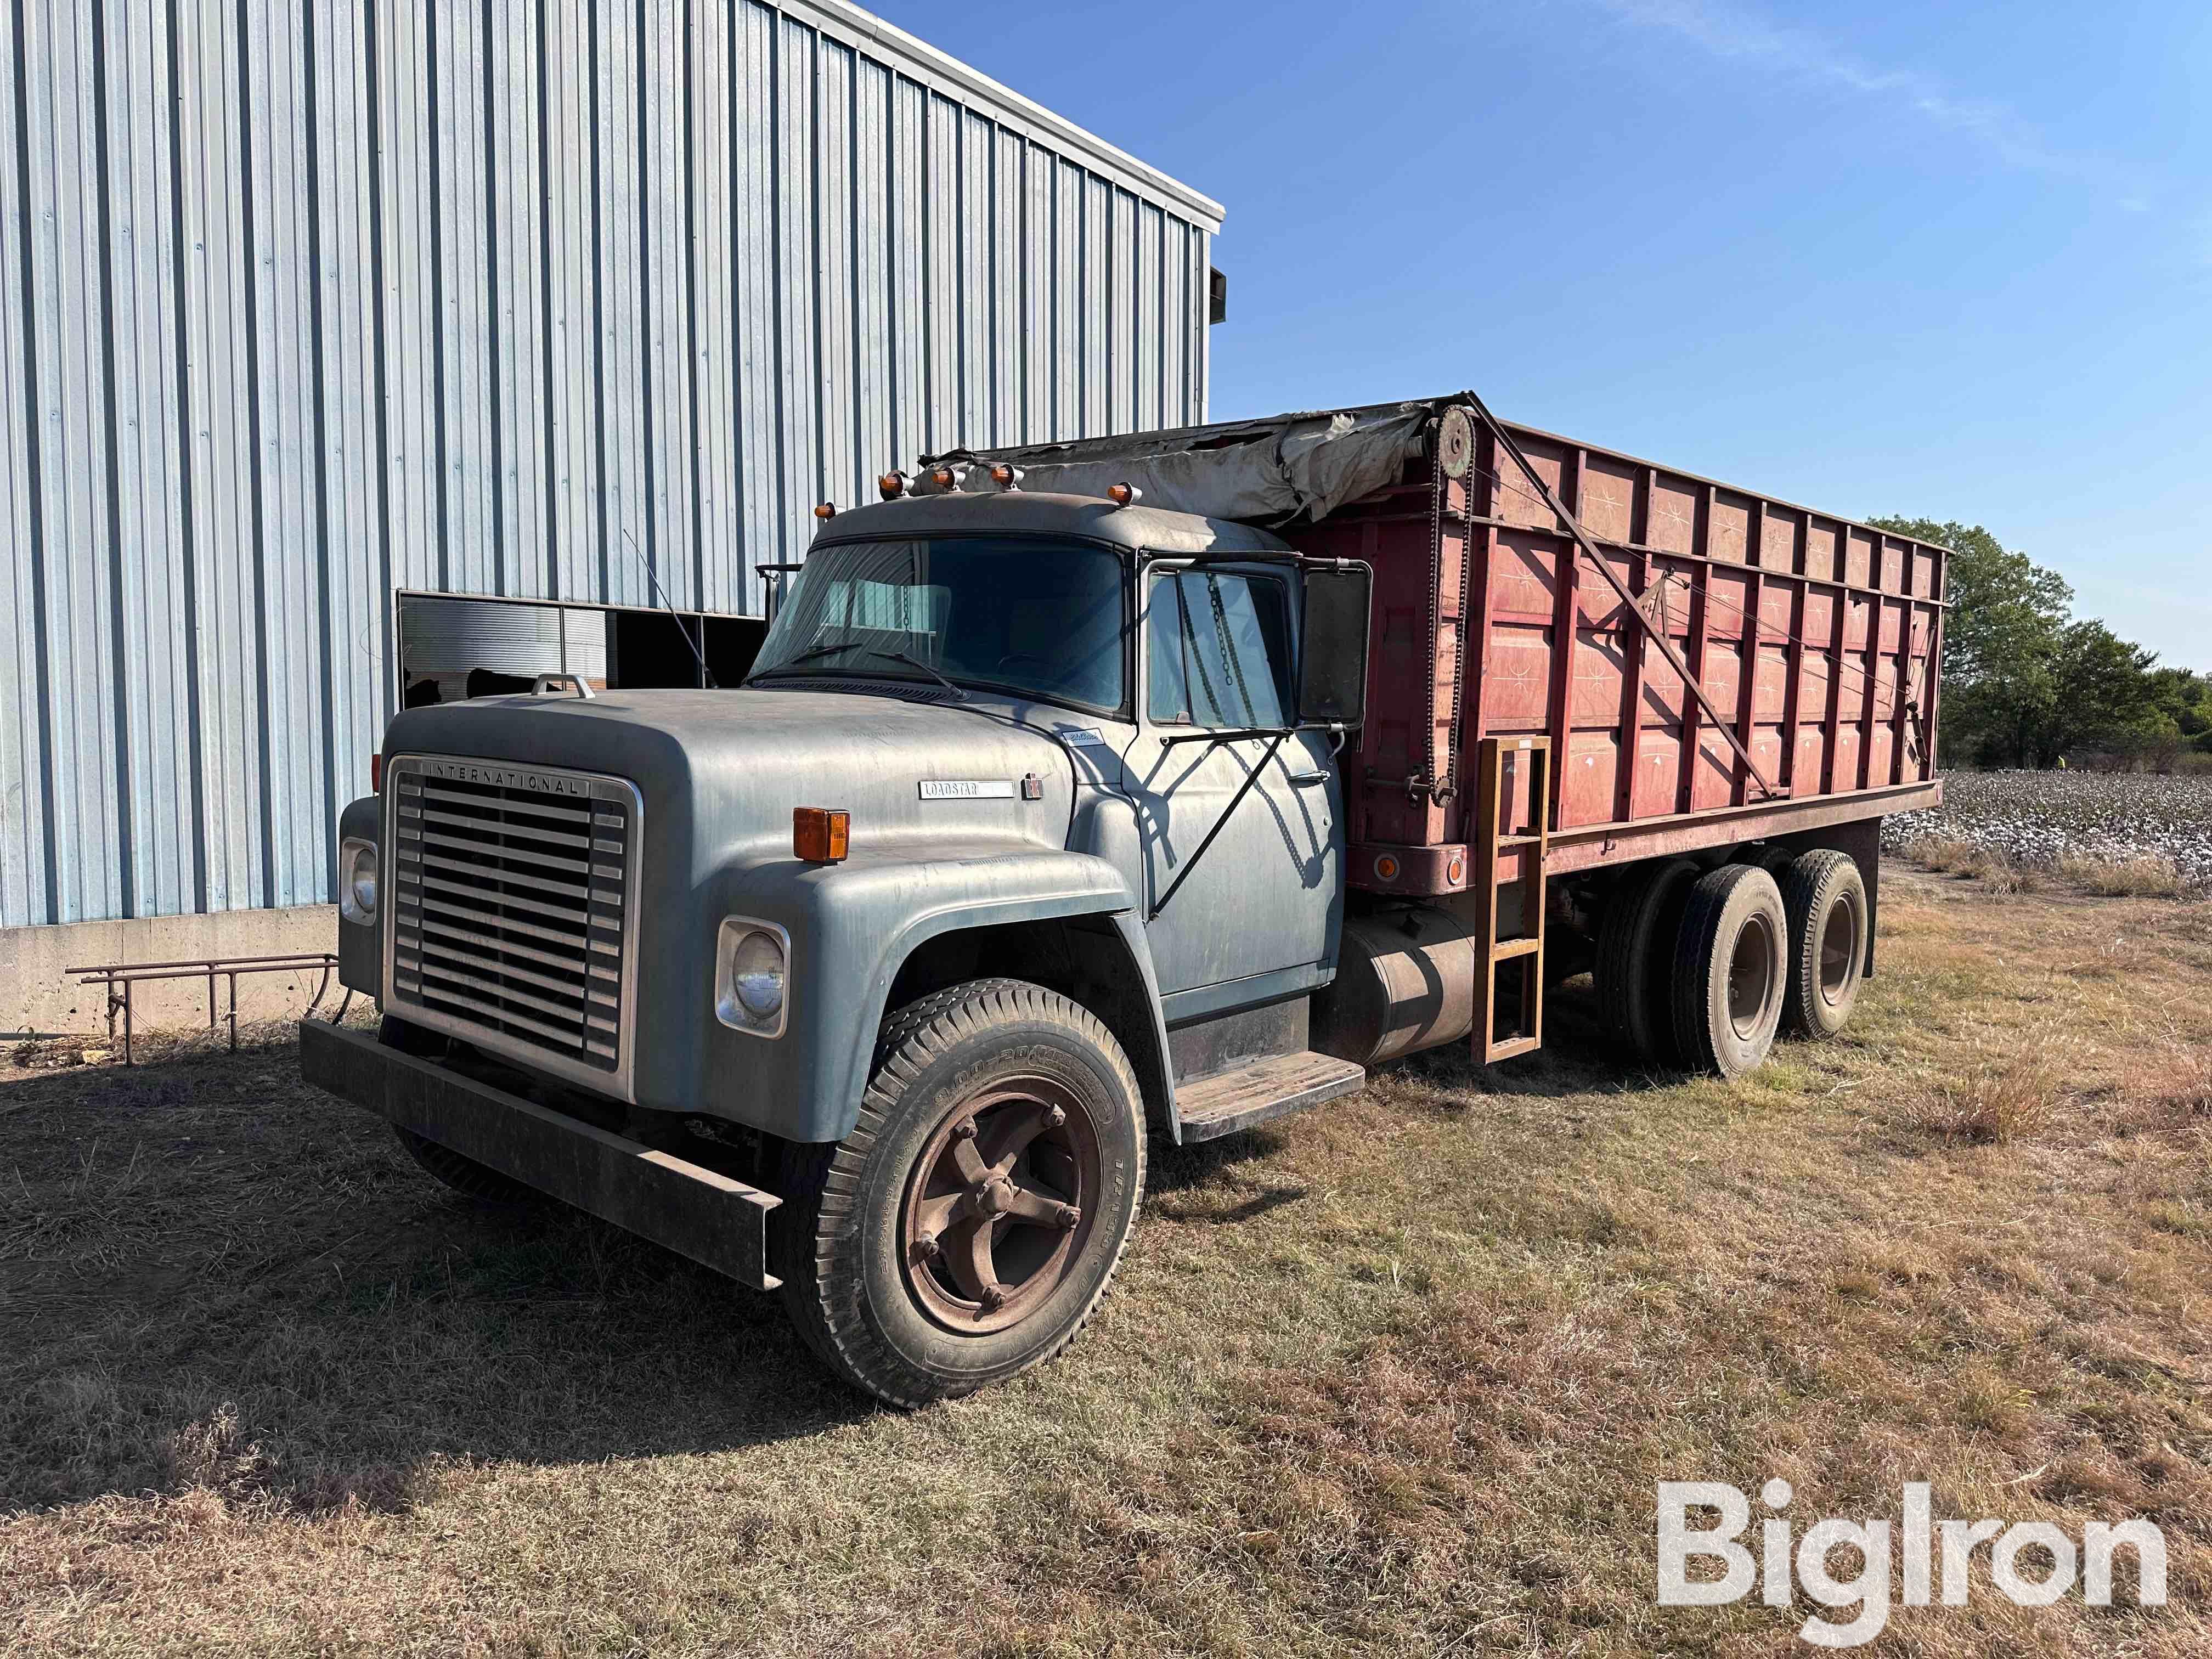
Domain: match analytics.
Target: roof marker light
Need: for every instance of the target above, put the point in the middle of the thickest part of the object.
(1124, 495)
(891, 485)
(942, 477)
(826, 511)
(1006, 476)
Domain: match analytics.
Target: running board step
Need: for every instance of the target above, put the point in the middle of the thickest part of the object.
(1274, 1087)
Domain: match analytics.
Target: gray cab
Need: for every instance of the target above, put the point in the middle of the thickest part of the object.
(869, 979)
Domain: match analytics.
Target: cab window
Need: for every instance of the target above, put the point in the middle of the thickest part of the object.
(1220, 649)
(1035, 616)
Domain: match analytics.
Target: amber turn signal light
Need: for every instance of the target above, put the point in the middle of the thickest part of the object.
(891, 485)
(821, 834)
(826, 511)
(1124, 495)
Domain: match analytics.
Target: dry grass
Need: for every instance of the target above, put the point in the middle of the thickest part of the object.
(1974, 862)
(1946, 855)
(2136, 878)
(2150, 876)
(1397, 1376)
(1999, 1101)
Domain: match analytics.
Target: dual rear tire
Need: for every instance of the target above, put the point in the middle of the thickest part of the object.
(1829, 926)
(1730, 954)
(1703, 970)
(1635, 964)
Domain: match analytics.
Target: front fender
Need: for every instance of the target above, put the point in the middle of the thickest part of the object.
(852, 927)
(361, 962)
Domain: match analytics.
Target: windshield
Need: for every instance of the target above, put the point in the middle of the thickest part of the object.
(1037, 616)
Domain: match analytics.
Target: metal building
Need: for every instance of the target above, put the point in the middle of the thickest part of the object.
(303, 304)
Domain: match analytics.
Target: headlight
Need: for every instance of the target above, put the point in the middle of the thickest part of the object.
(751, 965)
(357, 881)
(757, 975)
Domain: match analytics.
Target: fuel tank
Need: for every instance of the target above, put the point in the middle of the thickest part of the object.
(1405, 981)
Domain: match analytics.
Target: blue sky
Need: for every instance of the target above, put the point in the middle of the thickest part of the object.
(1946, 259)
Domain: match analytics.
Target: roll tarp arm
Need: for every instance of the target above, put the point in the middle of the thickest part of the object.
(1275, 472)
(1659, 635)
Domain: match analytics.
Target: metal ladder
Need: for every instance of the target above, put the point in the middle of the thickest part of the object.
(1518, 823)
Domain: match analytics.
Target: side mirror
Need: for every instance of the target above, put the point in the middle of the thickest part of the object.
(1333, 651)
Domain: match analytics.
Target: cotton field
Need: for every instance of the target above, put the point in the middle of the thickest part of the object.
(2044, 818)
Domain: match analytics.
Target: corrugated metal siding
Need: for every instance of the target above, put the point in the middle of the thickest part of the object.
(302, 304)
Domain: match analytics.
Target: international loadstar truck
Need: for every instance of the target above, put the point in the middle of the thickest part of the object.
(1140, 788)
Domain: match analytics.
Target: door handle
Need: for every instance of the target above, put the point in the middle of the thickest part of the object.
(1307, 779)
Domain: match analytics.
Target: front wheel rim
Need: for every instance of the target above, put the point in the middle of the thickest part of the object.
(998, 1205)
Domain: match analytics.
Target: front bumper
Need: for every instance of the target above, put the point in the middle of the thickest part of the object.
(718, 1222)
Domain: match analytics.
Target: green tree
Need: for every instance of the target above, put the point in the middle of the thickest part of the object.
(2103, 696)
(2003, 641)
(2185, 696)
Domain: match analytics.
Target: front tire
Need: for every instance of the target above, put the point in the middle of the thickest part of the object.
(972, 1221)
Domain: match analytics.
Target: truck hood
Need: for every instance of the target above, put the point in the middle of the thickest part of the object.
(721, 771)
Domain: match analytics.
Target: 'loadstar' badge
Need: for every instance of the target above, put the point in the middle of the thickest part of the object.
(967, 789)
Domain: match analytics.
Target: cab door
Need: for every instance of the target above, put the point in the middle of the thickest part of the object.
(1260, 906)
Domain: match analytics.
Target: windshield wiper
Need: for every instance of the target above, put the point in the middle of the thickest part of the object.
(916, 662)
(817, 651)
(888, 656)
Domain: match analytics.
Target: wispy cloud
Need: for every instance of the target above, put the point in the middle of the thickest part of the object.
(1742, 34)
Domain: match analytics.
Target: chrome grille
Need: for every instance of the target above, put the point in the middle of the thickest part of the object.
(513, 900)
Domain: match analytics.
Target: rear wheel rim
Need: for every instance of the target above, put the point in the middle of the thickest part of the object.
(998, 1205)
(1751, 976)
(1839, 950)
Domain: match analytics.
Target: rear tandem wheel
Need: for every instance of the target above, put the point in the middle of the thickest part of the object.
(1635, 964)
(1730, 969)
(1826, 901)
